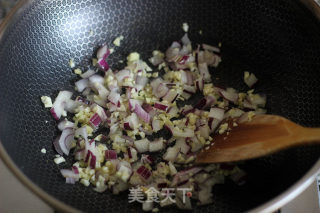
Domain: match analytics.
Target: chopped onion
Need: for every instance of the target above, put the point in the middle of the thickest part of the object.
(186, 133)
(216, 113)
(210, 48)
(156, 125)
(133, 102)
(65, 124)
(143, 115)
(144, 172)
(88, 74)
(59, 104)
(161, 90)
(250, 80)
(110, 154)
(185, 39)
(160, 106)
(204, 72)
(102, 56)
(121, 75)
(65, 141)
(171, 154)
(141, 82)
(146, 159)
(230, 96)
(199, 83)
(171, 96)
(156, 145)
(142, 145)
(173, 111)
(132, 154)
(95, 121)
(182, 145)
(114, 97)
(82, 84)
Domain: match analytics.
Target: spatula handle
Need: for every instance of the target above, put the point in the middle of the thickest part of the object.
(308, 135)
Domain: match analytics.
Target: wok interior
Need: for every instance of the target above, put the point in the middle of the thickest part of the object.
(277, 40)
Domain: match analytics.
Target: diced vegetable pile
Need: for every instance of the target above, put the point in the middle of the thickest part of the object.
(116, 122)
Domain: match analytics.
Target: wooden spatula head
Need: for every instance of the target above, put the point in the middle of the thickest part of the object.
(264, 134)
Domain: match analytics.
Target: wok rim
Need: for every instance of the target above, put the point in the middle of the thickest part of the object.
(269, 206)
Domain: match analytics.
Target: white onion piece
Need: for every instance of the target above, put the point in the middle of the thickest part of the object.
(133, 120)
(156, 125)
(96, 79)
(102, 51)
(171, 96)
(210, 48)
(69, 173)
(186, 133)
(88, 73)
(121, 75)
(133, 102)
(189, 89)
(161, 90)
(81, 84)
(247, 104)
(155, 83)
(204, 131)
(230, 96)
(114, 97)
(182, 145)
(57, 145)
(82, 132)
(171, 154)
(258, 100)
(66, 140)
(196, 144)
(172, 52)
(187, 109)
(71, 105)
(172, 168)
(156, 145)
(143, 115)
(173, 111)
(132, 154)
(142, 145)
(234, 113)
(65, 124)
(213, 124)
(186, 77)
(217, 113)
(156, 60)
(141, 82)
(204, 72)
(58, 105)
(185, 39)
(251, 80)
(86, 92)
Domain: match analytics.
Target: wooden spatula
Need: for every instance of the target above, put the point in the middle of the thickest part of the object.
(264, 134)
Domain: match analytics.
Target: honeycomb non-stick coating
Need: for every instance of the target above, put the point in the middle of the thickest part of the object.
(278, 40)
